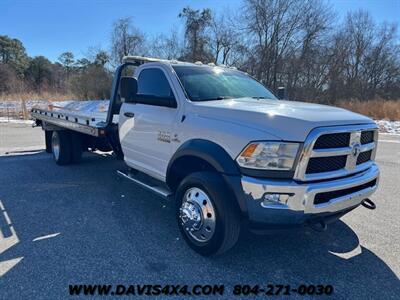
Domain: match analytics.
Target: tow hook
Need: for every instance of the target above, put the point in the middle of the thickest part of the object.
(367, 203)
(319, 226)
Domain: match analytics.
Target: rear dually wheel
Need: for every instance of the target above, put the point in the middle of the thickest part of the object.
(61, 147)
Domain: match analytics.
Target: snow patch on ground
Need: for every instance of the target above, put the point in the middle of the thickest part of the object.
(392, 127)
(15, 121)
(17, 105)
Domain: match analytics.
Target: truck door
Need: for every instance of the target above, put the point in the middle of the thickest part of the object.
(145, 128)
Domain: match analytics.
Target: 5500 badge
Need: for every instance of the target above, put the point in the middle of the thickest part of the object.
(164, 136)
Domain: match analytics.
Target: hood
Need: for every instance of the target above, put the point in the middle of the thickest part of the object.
(287, 120)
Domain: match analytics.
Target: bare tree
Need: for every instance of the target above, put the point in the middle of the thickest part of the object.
(306, 67)
(273, 26)
(126, 39)
(364, 59)
(224, 38)
(383, 64)
(196, 23)
(166, 46)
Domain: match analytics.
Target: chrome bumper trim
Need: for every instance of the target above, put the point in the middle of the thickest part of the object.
(301, 199)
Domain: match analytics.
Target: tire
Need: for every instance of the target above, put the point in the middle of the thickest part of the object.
(119, 155)
(219, 228)
(76, 147)
(47, 136)
(61, 147)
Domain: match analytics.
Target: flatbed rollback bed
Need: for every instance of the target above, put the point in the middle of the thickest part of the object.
(86, 124)
(84, 129)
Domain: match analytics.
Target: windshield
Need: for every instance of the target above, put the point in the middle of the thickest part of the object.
(204, 83)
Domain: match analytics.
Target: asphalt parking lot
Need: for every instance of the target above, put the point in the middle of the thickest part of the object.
(81, 224)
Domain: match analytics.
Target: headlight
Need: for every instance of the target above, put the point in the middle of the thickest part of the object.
(268, 156)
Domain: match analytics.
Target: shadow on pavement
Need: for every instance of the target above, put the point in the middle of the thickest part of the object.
(113, 232)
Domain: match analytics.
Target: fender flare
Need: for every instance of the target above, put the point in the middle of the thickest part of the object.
(209, 151)
(219, 159)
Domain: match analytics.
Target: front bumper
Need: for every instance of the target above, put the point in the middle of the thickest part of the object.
(299, 207)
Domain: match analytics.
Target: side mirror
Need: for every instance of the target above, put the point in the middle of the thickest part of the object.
(128, 89)
(282, 93)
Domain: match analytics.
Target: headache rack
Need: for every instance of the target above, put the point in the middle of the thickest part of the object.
(140, 60)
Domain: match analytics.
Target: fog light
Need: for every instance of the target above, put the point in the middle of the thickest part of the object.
(275, 199)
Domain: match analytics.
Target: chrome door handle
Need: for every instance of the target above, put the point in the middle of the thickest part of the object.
(129, 114)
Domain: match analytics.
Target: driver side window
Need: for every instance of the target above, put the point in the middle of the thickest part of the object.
(153, 82)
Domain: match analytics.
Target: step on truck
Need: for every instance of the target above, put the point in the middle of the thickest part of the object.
(220, 145)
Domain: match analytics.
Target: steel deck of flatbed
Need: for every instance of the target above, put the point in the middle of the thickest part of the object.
(88, 117)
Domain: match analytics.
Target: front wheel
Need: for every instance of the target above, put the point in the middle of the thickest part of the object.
(207, 216)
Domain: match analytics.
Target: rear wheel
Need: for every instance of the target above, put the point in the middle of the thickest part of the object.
(61, 147)
(207, 216)
(48, 135)
(76, 147)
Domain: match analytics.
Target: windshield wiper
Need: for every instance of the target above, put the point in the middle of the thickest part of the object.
(259, 97)
(216, 98)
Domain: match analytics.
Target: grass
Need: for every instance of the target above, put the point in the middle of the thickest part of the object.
(377, 109)
(37, 96)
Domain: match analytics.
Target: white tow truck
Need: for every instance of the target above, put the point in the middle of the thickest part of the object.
(230, 154)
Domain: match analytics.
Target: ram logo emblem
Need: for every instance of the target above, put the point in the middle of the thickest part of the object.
(356, 150)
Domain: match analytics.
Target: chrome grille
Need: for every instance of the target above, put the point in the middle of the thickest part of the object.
(326, 196)
(337, 151)
(367, 137)
(326, 164)
(333, 140)
(364, 157)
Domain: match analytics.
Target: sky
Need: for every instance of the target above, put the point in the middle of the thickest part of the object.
(51, 27)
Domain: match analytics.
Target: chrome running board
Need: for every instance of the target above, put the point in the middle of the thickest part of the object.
(147, 183)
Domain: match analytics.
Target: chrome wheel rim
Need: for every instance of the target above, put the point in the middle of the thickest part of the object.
(55, 145)
(197, 215)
